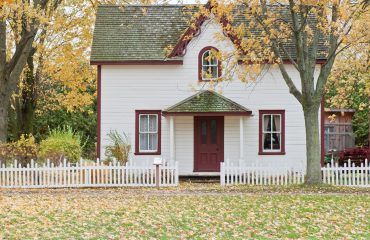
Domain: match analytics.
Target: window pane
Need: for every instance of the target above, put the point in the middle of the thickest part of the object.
(152, 123)
(276, 123)
(213, 132)
(210, 72)
(143, 123)
(205, 73)
(214, 72)
(153, 141)
(266, 123)
(143, 141)
(276, 141)
(267, 141)
(203, 126)
(206, 58)
(213, 60)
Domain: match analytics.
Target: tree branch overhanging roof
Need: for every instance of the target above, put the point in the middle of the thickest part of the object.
(207, 102)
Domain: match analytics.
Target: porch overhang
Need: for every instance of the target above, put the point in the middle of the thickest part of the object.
(207, 103)
(164, 113)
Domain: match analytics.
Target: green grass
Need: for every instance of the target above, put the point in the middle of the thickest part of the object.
(185, 212)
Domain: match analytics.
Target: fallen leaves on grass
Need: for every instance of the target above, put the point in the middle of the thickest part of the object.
(117, 214)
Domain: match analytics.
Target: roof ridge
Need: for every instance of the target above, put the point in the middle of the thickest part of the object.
(207, 91)
(148, 5)
(183, 101)
(230, 101)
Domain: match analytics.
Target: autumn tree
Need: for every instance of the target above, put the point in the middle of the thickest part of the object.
(20, 23)
(58, 73)
(307, 25)
(349, 87)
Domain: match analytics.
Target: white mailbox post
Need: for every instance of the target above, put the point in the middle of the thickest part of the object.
(157, 162)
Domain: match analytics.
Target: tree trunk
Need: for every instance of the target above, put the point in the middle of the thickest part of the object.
(313, 146)
(4, 104)
(28, 98)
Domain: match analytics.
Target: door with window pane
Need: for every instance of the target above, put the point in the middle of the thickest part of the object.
(208, 143)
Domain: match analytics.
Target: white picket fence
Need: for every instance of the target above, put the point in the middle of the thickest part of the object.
(86, 174)
(347, 175)
(258, 175)
(333, 174)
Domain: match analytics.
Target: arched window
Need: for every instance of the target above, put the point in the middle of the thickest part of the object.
(209, 65)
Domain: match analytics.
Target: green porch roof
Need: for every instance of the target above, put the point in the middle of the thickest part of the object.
(207, 102)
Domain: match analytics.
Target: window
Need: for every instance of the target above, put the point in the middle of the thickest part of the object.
(271, 132)
(148, 132)
(209, 65)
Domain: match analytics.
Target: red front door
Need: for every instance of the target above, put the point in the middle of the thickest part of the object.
(208, 143)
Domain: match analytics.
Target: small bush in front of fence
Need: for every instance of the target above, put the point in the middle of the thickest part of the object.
(61, 143)
(23, 150)
(119, 147)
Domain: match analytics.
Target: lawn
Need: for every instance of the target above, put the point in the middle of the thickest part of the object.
(200, 211)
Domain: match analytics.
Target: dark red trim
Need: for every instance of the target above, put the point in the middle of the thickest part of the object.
(195, 29)
(200, 63)
(260, 123)
(322, 130)
(137, 113)
(98, 118)
(207, 113)
(192, 31)
(141, 62)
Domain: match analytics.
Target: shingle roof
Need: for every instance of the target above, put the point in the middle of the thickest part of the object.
(137, 32)
(205, 102)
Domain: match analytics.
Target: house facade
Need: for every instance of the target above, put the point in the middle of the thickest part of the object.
(172, 106)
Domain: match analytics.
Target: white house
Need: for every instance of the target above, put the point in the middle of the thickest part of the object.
(162, 102)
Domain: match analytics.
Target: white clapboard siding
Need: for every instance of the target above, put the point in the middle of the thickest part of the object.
(86, 174)
(257, 175)
(347, 175)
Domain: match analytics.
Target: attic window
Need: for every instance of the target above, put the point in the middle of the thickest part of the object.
(209, 65)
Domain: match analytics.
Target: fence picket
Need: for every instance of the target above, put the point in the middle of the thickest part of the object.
(332, 173)
(83, 174)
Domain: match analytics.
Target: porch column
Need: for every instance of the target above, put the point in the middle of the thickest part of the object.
(241, 141)
(172, 139)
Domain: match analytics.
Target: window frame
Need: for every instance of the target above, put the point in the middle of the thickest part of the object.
(200, 65)
(281, 151)
(138, 113)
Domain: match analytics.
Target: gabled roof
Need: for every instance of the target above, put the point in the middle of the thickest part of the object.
(140, 33)
(207, 102)
(136, 33)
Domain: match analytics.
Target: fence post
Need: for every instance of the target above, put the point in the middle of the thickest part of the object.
(176, 173)
(222, 174)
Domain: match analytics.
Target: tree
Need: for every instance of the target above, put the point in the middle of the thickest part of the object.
(20, 22)
(348, 87)
(306, 24)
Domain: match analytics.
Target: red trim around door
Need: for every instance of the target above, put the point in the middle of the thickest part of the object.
(98, 117)
(208, 148)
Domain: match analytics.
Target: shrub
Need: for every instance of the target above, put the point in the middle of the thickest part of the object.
(119, 147)
(60, 144)
(22, 150)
